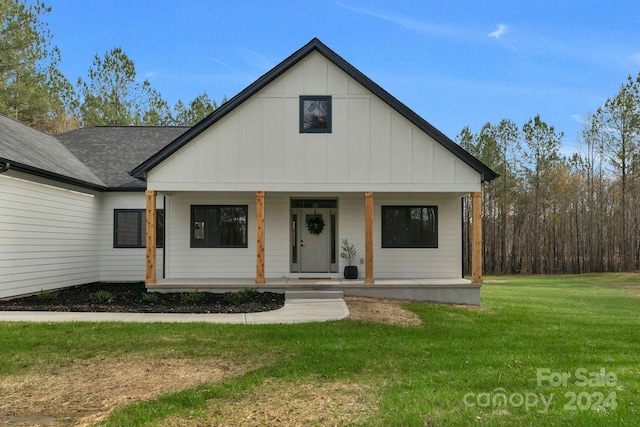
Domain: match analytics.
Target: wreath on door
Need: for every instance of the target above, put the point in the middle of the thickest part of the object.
(315, 224)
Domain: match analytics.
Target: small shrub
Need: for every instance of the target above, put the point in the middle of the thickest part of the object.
(148, 298)
(348, 251)
(101, 296)
(240, 297)
(46, 296)
(193, 297)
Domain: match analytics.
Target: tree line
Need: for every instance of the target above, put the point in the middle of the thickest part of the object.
(35, 92)
(550, 213)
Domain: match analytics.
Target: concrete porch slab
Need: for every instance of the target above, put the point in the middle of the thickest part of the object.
(448, 291)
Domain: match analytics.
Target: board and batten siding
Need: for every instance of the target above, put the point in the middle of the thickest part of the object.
(186, 262)
(48, 237)
(258, 146)
(122, 264)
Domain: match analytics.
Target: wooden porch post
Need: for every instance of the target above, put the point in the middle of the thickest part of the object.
(368, 237)
(259, 237)
(151, 237)
(476, 248)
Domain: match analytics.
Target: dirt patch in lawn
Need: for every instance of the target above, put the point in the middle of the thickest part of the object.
(288, 403)
(382, 310)
(133, 298)
(88, 391)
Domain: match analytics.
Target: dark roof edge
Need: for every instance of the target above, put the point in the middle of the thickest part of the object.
(315, 44)
(126, 189)
(20, 167)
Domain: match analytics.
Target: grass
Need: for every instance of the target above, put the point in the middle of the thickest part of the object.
(451, 371)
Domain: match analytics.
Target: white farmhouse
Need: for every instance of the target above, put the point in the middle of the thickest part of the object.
(261, 193)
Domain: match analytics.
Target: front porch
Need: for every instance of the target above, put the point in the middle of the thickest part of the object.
(450, 291)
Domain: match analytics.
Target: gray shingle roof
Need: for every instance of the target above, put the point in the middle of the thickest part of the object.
(32, 151)
(112, 151)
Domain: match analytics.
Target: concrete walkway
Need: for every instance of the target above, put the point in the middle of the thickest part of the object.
(299, 307)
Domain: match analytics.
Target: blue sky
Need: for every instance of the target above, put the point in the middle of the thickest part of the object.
(455, 63)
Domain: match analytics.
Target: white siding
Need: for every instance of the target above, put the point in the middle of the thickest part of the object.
(182, 261)
(258, 146)
(185, 262)
(122, 264)
(445, 261)
(48, 238)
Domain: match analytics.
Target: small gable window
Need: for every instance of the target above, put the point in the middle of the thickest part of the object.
(315, 114)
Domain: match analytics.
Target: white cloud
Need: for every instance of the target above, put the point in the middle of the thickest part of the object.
(635, 57)
(405, 21)
(150, 74)
(258, 60)
(502, 29)
(578, 118)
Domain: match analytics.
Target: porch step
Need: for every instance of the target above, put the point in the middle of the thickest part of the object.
(293, 295)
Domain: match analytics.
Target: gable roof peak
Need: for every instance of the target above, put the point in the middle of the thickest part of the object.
(313, 45)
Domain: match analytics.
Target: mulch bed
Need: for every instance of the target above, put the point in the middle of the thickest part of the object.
(128, 298)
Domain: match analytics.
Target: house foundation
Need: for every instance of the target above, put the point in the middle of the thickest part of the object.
(448, 291)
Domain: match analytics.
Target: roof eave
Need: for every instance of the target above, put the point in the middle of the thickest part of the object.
(21, 167)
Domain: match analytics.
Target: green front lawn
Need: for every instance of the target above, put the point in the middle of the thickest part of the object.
(540, 351)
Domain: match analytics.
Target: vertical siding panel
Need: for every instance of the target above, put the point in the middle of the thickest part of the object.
(359, 143)
(230, 149)
(295, 143)
(422, 157)
(316, 75)
(351, 226)
(187, 163)
(337, 81)
(401, 156)
(293, 81)
(277, 219)
(252, 141)
(274, 139)
(208, 158)
(443, 166)
(338, 150)
(380, 143)
(316, 170)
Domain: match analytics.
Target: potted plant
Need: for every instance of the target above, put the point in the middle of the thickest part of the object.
(348, 252)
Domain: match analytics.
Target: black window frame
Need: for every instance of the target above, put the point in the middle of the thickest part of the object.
(408, 242)
(307, 98)
(196, 244)
(141, 222)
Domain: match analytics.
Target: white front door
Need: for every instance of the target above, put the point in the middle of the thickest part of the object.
(315, 241)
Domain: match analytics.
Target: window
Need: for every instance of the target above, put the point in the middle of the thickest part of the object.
(218, 226)
(409, 226)
(315, 114)
(130, 228)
